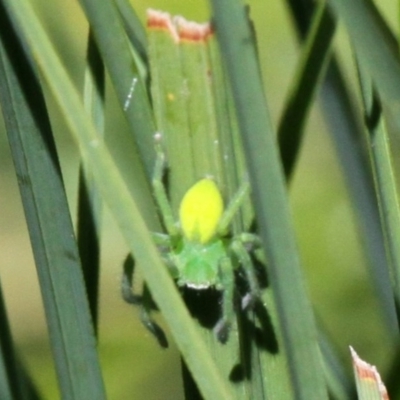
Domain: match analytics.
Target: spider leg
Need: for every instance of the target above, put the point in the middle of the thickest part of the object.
(160, 193)
(162, 241)
(242, 254)
(252, 243)
(233, 207)
(222, 327)
(144, 301)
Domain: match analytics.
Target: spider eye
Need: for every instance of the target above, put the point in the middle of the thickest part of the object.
(200, 211)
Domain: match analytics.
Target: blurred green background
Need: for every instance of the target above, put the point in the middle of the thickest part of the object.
(335, 268)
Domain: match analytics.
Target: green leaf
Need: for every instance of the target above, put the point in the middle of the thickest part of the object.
(346, 130)
(269, 193)
(384, 173)
(134, 28)
(49, 223)
(127, 79)
(167, 84)
(374, 44)
(311, 70)
(89, 202)
(9, 376)
(15, 383)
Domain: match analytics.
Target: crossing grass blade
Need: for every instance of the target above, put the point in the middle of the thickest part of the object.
(89, 203)
(15, 382)
(9, 375)
(267, 369)
(294, 311)
(49, 223)
(127, 79)
(173, 124)
(340, 383)
(123, 205)
(384, 173)
(345, 123)
(374, 44)
(134, 29)
(314, 61)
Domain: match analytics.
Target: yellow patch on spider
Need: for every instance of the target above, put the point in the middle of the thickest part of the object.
(200, 211)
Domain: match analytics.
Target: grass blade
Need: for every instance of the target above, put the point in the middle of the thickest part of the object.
(131, 91)
(54, 248)
(313, 64)
(89, 204)
(374, 44)
(9, 376)
(134, 28)
(294, 311)
(383, 168)
(126, 77)
(15, 383)
(348, 136)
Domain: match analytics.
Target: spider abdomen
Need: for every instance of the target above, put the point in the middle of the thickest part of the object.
(200, 211)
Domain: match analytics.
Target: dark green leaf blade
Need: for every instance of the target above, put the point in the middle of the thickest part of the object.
(347, 133)
(49, 223)
(374, 44)
(384, 173)
(9, 376)
(134, 28)
(270, 199)
(313, 64)
(125, 75)
(89, 203)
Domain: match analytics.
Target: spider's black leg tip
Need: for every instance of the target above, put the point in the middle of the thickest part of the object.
(154, 328)
(160, 336)
(248, 301)
(127, 295)
(221, 330)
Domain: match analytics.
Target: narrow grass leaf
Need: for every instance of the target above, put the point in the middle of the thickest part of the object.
(122, 205)
(89, 203)
(384, 172)
(294, 311)
(15, 382)
(50, 227)
(196, 71)
(345, 122)
(340, 383)
(134, 29)
(126, 77)
(312, 68)
(128, 81)
(259, 359)
(229, 141)
(167, 85)
(10, 380)
(374, 44)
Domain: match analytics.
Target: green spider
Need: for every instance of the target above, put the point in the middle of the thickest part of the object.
(198, 249)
